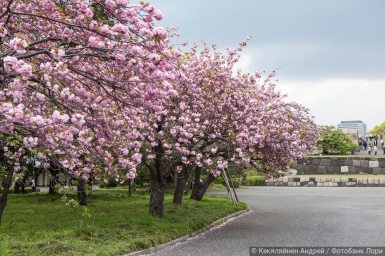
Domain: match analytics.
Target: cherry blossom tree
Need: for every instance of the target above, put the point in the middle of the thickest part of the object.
(74, 86)
(219, 116)
(247, 120)
(97, 89)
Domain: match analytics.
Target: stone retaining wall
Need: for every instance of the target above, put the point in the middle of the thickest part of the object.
(340, 165)
(334, 165)
(326, 182)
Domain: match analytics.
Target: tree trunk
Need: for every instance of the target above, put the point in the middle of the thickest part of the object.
(52, 184)
(199, 188)
(54, 180)
(158, 180)
(82, 194)
(4, 196)
(181, 178)
(158, 189)
(129, 187)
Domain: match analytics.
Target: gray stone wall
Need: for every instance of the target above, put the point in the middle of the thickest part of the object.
(340, 165)
(326, 182)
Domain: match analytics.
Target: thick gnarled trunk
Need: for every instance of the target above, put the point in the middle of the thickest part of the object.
(199, 188)
(158, 181)
(158, 189)
(7, 184)
(82, 194)
(182, 178)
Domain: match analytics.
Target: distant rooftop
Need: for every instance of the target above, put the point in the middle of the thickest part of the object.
(353, 121)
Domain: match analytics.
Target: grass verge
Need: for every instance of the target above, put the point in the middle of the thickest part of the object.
(40, 224)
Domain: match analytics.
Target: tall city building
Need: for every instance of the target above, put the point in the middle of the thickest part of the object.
(355, 124)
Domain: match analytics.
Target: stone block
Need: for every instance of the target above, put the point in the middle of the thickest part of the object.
(356, 162)
(349, 162)
(359, 169)
(359, 181)
(352, 169)
(325, 162)
(376, 181)
(285, 179)
(344, 169)
(337, 179)
(377, 170)
(370, 180)
(368, 170)
(341, 162)
(316, 161)
(344, 180)
(373, 164)
(382, 180)
(364, 163)
(321, 169)
(364, 180)
(312, 169)
(290, 183)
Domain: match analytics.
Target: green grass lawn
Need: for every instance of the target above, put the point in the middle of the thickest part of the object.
(40, 224)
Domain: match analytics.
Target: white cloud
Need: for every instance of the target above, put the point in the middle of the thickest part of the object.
(334, 100)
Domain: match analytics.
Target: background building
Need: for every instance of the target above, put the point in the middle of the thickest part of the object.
(355, 124)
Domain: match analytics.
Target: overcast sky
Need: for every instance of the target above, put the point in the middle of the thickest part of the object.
(330, 53)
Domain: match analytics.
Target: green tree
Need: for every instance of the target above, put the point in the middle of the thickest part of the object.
(378, 129)
(334, 141)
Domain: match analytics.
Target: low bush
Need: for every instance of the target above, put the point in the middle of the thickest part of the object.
(27, 190)
(218, 180)
(235, 183)
(255, 181)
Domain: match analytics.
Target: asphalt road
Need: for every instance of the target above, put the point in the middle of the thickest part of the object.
(295, 216)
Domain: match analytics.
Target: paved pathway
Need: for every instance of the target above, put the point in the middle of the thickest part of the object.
(295, 216)
(362, 151)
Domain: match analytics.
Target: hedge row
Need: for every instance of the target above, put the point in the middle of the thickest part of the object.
(250, 181)
(255, 181)
(27, 190)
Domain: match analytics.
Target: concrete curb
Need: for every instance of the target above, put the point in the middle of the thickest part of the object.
(185, 238)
